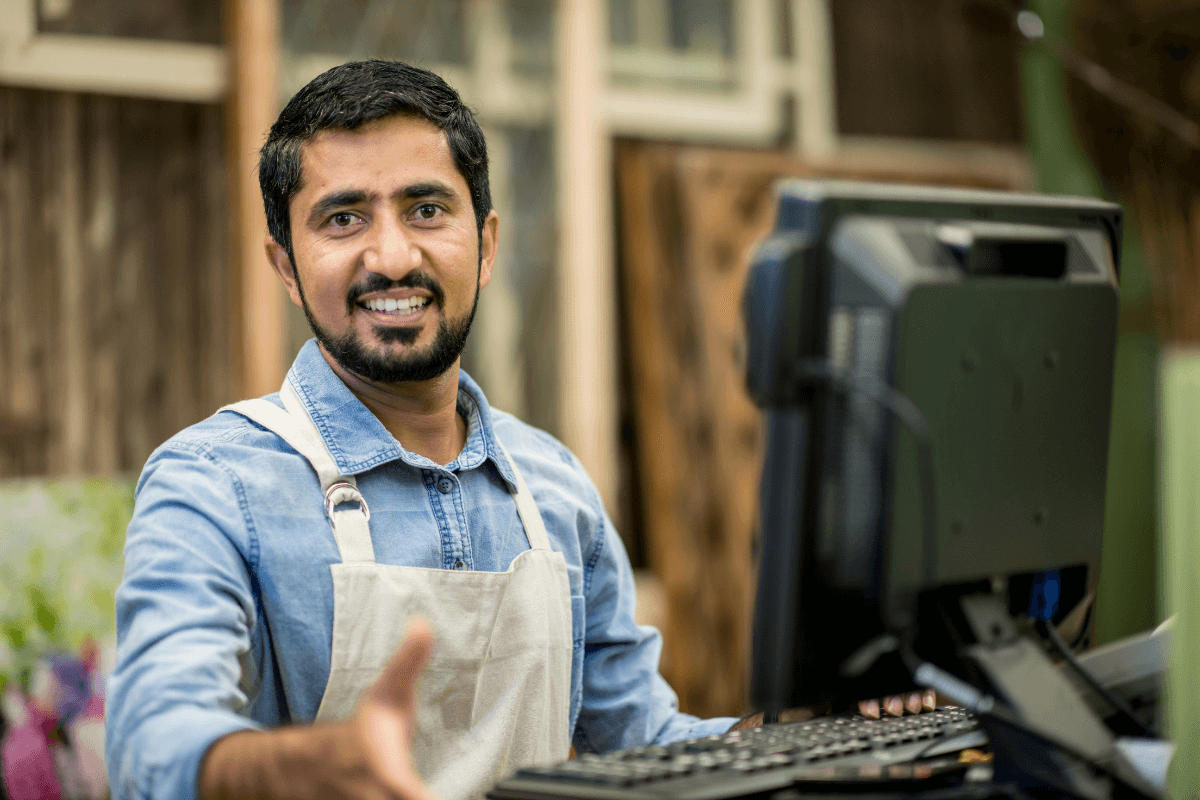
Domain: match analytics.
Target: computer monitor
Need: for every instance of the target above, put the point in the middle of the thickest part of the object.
(936, 368)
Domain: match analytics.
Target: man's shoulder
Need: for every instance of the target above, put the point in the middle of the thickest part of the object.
(521, 438)
(224, 430)
(553, 472)
(224, 469)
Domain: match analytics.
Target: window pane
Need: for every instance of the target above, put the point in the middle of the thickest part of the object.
(423, 32)
(702, 26)
(621, 22)
(531, 25)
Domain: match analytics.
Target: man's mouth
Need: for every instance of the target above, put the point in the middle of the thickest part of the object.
(394, 307)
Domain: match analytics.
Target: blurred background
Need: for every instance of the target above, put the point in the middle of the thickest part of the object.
(634, 144)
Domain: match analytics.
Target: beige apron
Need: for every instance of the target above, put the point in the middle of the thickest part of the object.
(495, 695)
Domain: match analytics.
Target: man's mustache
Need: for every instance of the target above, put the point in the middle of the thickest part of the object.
(375, 282)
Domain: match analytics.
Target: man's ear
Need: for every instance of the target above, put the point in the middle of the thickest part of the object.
(488, 240)
(282, 265)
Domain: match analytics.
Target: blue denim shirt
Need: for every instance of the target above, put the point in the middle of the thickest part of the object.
(225, 613)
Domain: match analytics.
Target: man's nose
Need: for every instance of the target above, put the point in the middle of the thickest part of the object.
(391, 251)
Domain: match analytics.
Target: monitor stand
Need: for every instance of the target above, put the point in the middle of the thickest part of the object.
(1024, 679)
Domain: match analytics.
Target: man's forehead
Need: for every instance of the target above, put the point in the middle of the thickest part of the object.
(406, 138)
(399, 126)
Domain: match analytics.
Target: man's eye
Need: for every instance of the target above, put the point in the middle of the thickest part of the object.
(343, 220)
(427, 211)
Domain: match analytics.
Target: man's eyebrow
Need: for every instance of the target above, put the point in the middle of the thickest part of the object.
(346, 197)
(435, 190)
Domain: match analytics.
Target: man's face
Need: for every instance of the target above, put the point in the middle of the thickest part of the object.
(388, 262)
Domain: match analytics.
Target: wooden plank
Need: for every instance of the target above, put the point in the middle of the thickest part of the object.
(688, 219)
(217, 386)
(99, 229)
(174, 208)
(651, 244)
(586, 334)
(21, 407)
(116, 65)
(253, 34)
(70, 425)
(138, 294)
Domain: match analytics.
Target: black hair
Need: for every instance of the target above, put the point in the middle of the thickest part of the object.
(351, 95)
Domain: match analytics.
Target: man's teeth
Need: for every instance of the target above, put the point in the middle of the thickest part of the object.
(392, 306)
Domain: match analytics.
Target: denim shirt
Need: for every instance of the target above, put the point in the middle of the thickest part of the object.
(225, 612)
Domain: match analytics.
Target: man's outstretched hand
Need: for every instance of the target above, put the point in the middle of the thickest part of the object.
(368, 756)
(387, 716)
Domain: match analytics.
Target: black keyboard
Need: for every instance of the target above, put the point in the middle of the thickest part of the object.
(754, 761)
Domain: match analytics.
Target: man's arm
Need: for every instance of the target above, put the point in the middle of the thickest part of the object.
(367, 756)
(184, 614)
(626, 702)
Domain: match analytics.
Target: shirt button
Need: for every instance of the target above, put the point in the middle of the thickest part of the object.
(445, 485)
(460, 564)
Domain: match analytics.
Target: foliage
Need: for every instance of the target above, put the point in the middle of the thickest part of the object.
(62, 562)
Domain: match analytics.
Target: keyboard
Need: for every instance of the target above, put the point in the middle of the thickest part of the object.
(753, 761)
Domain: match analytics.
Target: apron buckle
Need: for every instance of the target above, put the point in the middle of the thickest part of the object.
(343, 492)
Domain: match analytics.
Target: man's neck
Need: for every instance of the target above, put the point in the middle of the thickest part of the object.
(422, 415)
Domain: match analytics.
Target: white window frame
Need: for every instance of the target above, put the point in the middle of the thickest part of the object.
(107, 65)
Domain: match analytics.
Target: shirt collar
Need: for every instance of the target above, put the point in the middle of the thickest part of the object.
(358, 441)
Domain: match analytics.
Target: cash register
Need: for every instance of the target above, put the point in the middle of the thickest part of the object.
(935, 368)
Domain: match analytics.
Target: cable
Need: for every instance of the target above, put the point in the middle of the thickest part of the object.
(1120, 706)
(1083, 629)
(883, 394)
(821, 371)
(1105, 83)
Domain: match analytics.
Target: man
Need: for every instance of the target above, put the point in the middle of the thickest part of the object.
(279, 548)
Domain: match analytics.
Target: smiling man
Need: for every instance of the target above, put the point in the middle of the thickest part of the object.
(394, 256)
(371, 584)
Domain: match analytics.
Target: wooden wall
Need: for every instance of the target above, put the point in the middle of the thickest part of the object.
(1152, 169)
(114, 306)
(688, 219)
(936, 69)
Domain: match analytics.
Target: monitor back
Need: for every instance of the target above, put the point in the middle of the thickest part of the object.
(995, 315)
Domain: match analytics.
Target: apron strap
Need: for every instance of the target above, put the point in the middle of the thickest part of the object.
(535, 528)
(350, 526)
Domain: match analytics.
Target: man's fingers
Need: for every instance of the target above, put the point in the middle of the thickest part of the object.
(899, 705)
(397, 685)
(869, 708)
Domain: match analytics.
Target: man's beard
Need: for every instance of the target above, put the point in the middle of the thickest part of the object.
(349, 351)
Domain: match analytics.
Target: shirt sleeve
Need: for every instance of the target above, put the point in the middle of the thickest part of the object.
(185, 610)
(626, 702)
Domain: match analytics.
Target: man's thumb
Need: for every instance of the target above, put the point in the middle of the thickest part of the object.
(397, 685)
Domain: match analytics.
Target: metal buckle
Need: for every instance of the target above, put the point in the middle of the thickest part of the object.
(358, 498)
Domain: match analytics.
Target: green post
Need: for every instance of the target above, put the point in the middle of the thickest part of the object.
(1128, 597)
(1180, 514)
